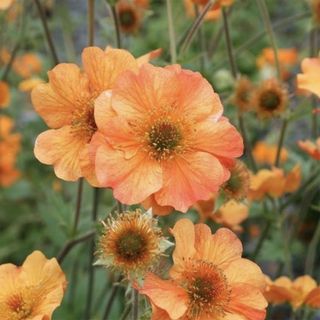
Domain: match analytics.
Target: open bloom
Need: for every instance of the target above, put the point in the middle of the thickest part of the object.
(4, 94)
(310, 78)
(274, 182)
(66, 104)
(312, 149)
(130, 15)
(209, 279)
(5, 4)
(167, 141)
(32, 291)
(242, 94)
(301, 291)
(266, 153)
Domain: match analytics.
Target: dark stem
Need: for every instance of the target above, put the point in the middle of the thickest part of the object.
(111, 299)
(115, 17)
(47, 32)
(90, 22)
(263, 238)
(78, 206)
(312, 250)
(126, 312)
(91, 256)
(281, 140)
(10, 63)
(135, 304)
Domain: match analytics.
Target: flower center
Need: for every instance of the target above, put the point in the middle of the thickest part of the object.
(270, 100)
(20, 308)
(127, 18)
(207, 289)
(131, 246)
(164, 138)
(83, 123)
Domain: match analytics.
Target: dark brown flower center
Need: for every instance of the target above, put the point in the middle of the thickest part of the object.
(270, 100)
(127, 18)
(131, 246)
(164, 138)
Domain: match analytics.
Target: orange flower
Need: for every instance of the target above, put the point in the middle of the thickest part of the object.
(130, 16)
(32, 291)
(287, 59)
(4, 94)
(242, 95)
(213, 14)
(301, 291)
(232, 214)
(274, 182)
(66, 104)
(266, 153)
(27, 65)
(29, 84)
(5, 4)
(312, 149)
(206, 208)
(310, 78)
(166, 140)
(209, 279)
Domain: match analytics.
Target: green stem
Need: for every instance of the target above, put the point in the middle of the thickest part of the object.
(173, 48)
(267, 23)
(116, 25)
(263, 238)
(78, 206)
(126, 312)
(111, 299)
(195, 27)
(135, 304)
(90, 22)
(281, 140)
(47, 32)
(312, 251)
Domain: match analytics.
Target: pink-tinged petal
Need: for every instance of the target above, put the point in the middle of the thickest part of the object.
(310, 78)
(313, 298)
(87, 166)
(218, 138)
(104, 67)
(62, 149)
(66, 92)
(189, 178)
(149, 56)
(132, 180)
(166, 295)
(159, 314)
(103, 111)
(158, 210)
(247, 301)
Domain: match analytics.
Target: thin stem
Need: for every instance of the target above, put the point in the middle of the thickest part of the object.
(262, 239)
(90, 22)
(47, 32)
(8, 67)
(91, 256)
(126, 312)
(71, 243)
(135, 304)
(119, 206)
(111, 299)
(116, 25)
(173, 48)
(195, 27)
(312, 250)
(202, 43)
(78, 206)
(267, 23)
(281, 140)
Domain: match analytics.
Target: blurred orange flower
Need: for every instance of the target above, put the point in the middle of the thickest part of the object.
(301, 291)
(130, 16)
(27, 65)
(167, 140)
(312, 149)
(266, 153)
(32, 291)
(315, 6)
(310, 78)
(5, 4)
(66, 104)
(213, 14)
(274, 182)
(242, 94)
(4, 94)
(206, 208)
(29, 84)
(287, 59)
(209, 279)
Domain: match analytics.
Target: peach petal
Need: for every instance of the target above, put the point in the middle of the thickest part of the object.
(310, 78)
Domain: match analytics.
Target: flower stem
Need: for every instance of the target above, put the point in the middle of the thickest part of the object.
(312, 250)
(78, 206)
(262, 239)
(173, 48)
(281, 140)
(91, 256)
(267, 23)
(126, 312)
(135, 304)
(195, 27)
(116, 25)
(90, 22)
(111, 299)
(47, 32)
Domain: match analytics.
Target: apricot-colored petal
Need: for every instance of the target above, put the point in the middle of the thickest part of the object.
(103, 111)
(218, 138)
(87, 165)
(9, 279)
(159, 314)
(313, 298)
(189, 178)
(132, 180)
(245, 271)
(202, 235)
(103, 67)
(149, 56)
(66, 92)
(165, 295)
(158, 210)
(310, 78)
(293, 179)
(310, 148)
(4, 94)
(5, 4)
(61, 148)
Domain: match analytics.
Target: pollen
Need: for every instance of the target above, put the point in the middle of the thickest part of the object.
(20, 305)
(164, 138)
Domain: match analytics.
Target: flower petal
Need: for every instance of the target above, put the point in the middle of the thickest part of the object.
(310, 78)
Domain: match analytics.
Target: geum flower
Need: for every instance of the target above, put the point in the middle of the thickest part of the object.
(66, 104)
(32, 291)
(167, 143)
(310, 78)
(209, 279)
(311, 148)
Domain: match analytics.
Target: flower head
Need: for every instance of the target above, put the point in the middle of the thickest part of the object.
(32, 291)
(167, 139)
(242, 94)
(270, 99)
(130, 16)
(131, 243)
(266, 153)
(27, 65)
(312, 149)
(213, 14)
(4, 94)
(310, 78)
(5, 4)
(209, 279)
